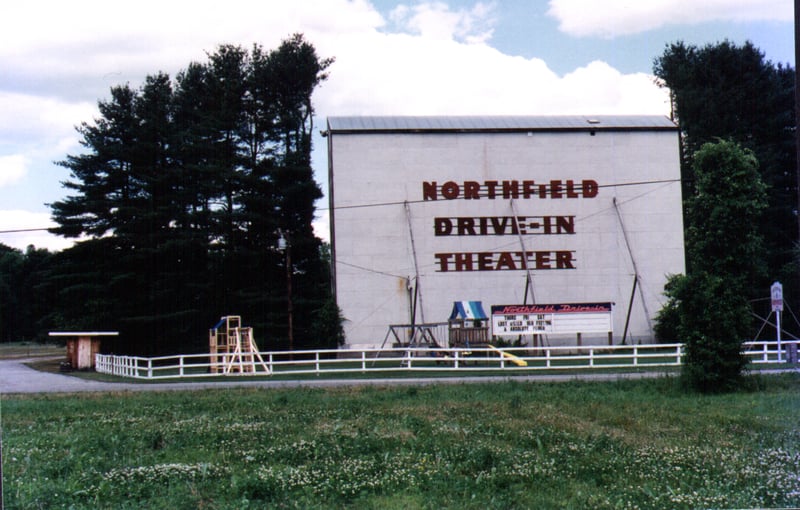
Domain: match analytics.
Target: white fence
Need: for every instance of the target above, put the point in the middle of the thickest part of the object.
(376, 361)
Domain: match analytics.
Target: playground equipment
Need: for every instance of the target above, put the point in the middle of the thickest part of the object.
(514, 359)
(468, 325)
(233, 347)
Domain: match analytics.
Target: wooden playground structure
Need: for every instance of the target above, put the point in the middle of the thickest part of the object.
(232, 348)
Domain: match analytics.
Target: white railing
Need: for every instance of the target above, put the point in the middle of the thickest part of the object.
(516, 359)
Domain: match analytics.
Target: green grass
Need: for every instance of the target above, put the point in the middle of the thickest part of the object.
(628, 444)
(17, 350)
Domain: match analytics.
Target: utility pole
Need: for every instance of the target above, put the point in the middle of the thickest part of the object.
(797, 104)
(289, 297)
(285, 246)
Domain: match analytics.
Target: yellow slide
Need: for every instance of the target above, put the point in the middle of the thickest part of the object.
(517, 361)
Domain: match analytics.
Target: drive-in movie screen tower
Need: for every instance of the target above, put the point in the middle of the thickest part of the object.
(543, 230)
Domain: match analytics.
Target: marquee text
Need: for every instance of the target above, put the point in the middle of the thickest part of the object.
(504, 225)
(474, 190)
(504, 260)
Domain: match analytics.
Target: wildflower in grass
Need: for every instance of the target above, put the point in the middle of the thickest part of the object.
(130, 480)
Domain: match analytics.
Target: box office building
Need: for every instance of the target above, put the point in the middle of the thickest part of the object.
(428, 211)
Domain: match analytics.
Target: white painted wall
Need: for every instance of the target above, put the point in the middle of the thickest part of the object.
(374, 174)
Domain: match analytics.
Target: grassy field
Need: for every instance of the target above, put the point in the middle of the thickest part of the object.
(16, 350)
(629, 444)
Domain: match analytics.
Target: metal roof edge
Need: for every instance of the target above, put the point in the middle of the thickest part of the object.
(496, 124)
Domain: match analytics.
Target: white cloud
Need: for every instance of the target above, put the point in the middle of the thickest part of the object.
(599, 88)
(398, 74)
(115, 43)
(432, 60)
(12, 169)
(21, 220)
(612, 18)
(40, 120)
(436, 20)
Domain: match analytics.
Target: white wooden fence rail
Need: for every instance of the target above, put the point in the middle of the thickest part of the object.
(517, 359)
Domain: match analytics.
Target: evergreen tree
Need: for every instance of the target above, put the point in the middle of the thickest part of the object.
(23, 304)
(11, 262)
(182, 192)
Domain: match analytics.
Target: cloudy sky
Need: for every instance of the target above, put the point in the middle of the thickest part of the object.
(393, 57)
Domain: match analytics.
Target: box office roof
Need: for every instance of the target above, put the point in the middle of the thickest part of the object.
(498, 124)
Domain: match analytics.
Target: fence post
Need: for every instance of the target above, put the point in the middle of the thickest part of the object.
(317, 362)
(635, 355)
(591, 356)
(271, 369)
(457, 357)
(765, 358)
(547, 355)
(363, 361)
(149, 368)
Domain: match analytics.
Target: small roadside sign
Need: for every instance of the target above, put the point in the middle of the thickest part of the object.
(776, 291)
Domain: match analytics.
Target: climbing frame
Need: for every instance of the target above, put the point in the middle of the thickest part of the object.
(232, 348)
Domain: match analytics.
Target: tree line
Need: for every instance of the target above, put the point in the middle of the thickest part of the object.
(177, 203)
(729, 92)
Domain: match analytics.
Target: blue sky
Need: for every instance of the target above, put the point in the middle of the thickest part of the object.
(451, 57)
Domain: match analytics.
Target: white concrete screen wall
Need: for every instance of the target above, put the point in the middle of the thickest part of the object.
(464, 207)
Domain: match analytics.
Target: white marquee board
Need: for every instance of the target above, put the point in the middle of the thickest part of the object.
(547, 319)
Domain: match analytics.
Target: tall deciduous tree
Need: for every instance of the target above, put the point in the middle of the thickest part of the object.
(708, 307)
(182, 192)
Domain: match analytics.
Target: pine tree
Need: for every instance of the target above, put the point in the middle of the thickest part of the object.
(182, 193)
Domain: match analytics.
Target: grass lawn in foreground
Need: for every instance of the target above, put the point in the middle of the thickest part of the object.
(628, 444)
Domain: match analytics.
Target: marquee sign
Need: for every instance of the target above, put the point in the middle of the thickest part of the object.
(545, 319)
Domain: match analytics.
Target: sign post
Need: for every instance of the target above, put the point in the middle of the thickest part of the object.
(776, 293)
